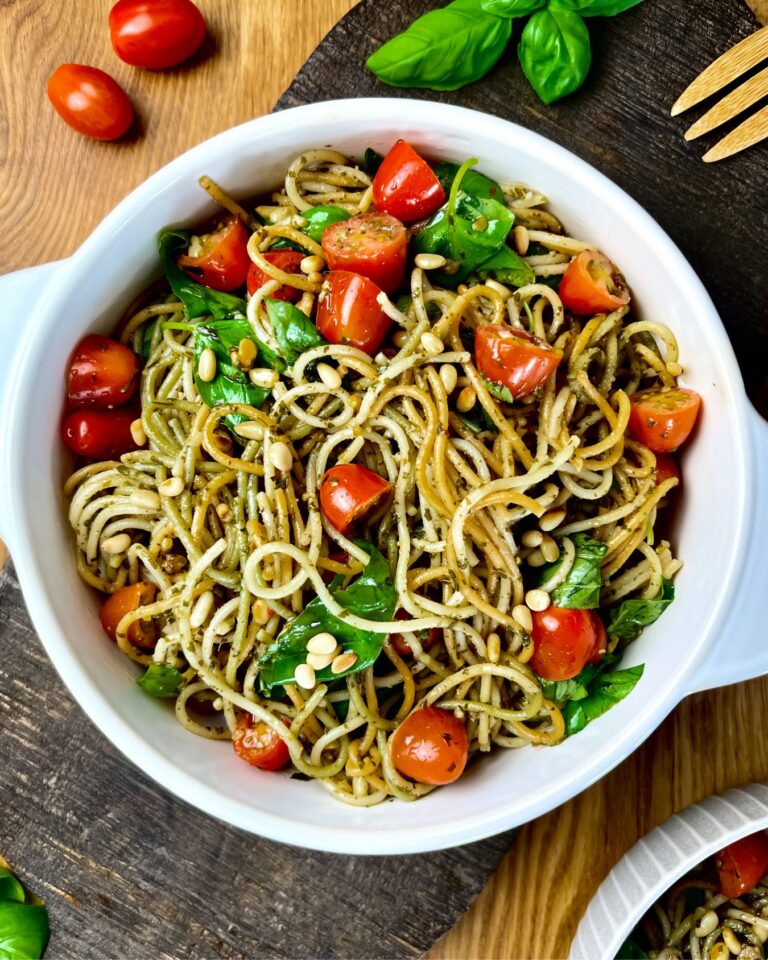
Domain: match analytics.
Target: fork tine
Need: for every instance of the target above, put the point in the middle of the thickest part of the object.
(731, 106)
(745, 55)
(747, 134)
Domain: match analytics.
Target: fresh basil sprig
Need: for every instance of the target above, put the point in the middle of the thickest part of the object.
(24, 928)
(628, 619)
(555, 52)
(581, 588)
(161, 680)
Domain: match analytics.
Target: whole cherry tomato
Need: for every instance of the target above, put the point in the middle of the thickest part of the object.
(99, 434)
(742, 864)
(103, 373)
(155, 33)
(219, 259)
(90, 101)
(374, 245)
(348, 492)
(592, 284)
(666, 467)
(514, 358)
(289, 261)
(258, 744)
(565, 641)
(430, 746)
(663, 418)
(406, 186)
(125, 600)
(348, 311)
(426, 638)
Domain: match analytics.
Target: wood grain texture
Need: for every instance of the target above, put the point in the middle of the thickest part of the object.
(760, 9)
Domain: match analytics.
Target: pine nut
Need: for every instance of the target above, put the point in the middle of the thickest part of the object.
(429, 261)
(343, 662)
(249, 430)
(761, 930)
(224, 628)
(280, 455)
(552, 519)
(223, 512)
(532, 538)
(522, 240)
(731, 941)
(260, 612)
(206, 367)
(202, 609)
(536, 559)
(493, 647)
(313, 264)
(246, 352)
(674, 369)
(549, 549)
(171, 487)
(329, 375)
(399, 338)
(319, 661)
(263, 377)
(449, 376)
(305, 676)
(117, 544)
(315, 278)
(355, 401)
(719, 951)
(165, 544)
(138, 435)
(480, 223)
(708, 922)
(522, 615)
(432, 343)
(537, 600)
(146, 498)
(466, 400)
(322, 643)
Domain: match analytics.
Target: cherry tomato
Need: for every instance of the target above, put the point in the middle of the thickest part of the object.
(99, 434)
(155, 33)
(258, 744)
(430, 746)
(426, 637)
(348, 492)
(742, 864)
(514, 358)
(666, 467)
(406, 186)
(592, 284)
(372, 244)
(287, 260)
(90, 101)
(220, 259)
(565, 641)
(348, 311)
(663, 418)
(141, 633)
(103, 373)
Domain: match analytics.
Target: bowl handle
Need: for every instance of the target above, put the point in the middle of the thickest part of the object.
(19, 294)
(741, 652)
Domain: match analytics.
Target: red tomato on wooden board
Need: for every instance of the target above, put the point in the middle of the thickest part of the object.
(288, 261)
(374, 245)
(426, 638)
(258, 744)
(514, 358)
(103, 373)
(663, 418)
(592, 284)
(99, 434)
(126, 600)
(742, 864)
(220, 258)
(348, 492)
(348, 311)
(430, 746)
(405, 185)
(565, 641)
(90, 101)
(155, 33)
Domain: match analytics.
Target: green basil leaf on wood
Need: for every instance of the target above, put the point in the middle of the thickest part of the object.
(555, 52)
(161, 680)
(443, 50)
(24, 930)
(581, 588)
(606, 690)
(628, 619)
(512, 8)
(294, 331)
(198, 300)
(595, 8)
(10, 886)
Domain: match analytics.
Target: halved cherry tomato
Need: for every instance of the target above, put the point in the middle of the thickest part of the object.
(666, 467)
(348, 492)
(430, 746)
(219, 259)
(663, 418)
(258, 744)
(406, 186)
(103, 373)
(427, 638)
(348, 311)
(742, 864)
(125, 600)
(514, 358)
(287, 260)
(565, 641)
(155, 33)
(99, 434)
(372, 244)
(90, 101)
(592, 284)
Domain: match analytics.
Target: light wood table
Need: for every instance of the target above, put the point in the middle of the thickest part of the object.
(56, 187)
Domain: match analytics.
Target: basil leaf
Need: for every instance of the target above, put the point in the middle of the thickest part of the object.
(231, 384)
(372, 160)
(10, 887)
(24, 930)
(197, 299)
(512, 8)
(594, 8)
(506, 266)
(604, 692)
(160, 680)
(321, 217)
(562, 691)
(581, 588)
(628, 619)
(629, 950)
(372, 595)
(146, 340)
(477, 420)
(473, 182)
(294, 331)
(443, 50)
(498, 390)
(555, 53)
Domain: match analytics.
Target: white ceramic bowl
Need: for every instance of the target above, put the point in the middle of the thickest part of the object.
(47, 309)
(659, 860)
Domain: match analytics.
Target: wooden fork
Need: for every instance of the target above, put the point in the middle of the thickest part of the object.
(732, 65)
